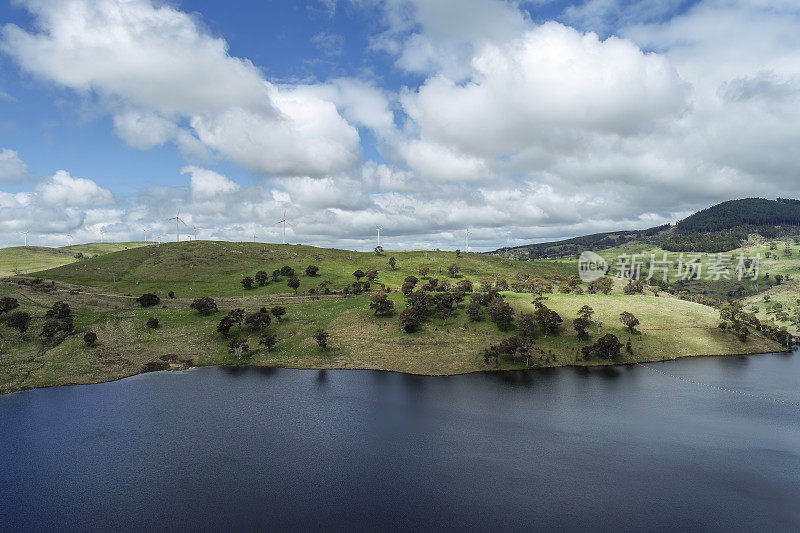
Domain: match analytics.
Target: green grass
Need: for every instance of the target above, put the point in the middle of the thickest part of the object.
(26, 259)
(211, 268)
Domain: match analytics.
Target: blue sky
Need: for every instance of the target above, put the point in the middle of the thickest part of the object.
(522, 121)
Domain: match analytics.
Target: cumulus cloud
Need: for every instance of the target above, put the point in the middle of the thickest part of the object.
(206, 184)
(155, 65)
(62, 190)
(12, 168)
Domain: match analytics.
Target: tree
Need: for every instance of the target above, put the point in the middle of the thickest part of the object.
(152, 322)
(453, 270)
(778, 279)
(53, 327)
(247, 283)
(278, 312)
(294, 283)
(372, 274)
(586, 312)
(205, 306)
(235, 317)
(358, 274)
(464, 285)
(19, 320)
(410, 319)
(501, 313)
(423, 272)
(474, 310)
(148, 300)
(444, 306)
(629, 321)
(548, 319)
(321, 336)
(311, 270)
(604, 285)
(90, 338)
(606, 347)
(8, 304)
(239, 347)
(258, 321)
(267, 339)
(262, 278)
(378, 250)
(581, 324)
(381, 304)
(287, 271)
(275, 274)
(458, 253)
(392, 262)
(58, 311)
(526, 324)
(407, 288)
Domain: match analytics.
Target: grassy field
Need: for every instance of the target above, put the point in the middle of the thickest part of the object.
(26, 259)
(210, 268)
(669, 328)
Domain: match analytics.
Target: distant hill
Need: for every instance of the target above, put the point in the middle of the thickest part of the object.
(25, 259)
(718, 228)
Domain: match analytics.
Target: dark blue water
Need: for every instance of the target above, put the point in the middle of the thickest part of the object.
(621, 448)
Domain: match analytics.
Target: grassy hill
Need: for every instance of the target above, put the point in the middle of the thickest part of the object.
(26, 259)
(214, 268)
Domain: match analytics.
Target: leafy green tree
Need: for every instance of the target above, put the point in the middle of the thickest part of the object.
(152, 322)
(239, 347)
(606, 347)
(90, 338)
(453, 270)
(262, 278)
(148, 300)
(526, 325)
(275, 274)
(629, 321)
(392, 262)
(581, 324)
(58, 311)
(372, 274)
(358, 274)
(267, 339)
(294, 283)
(311, 270)
(321, 336)
(287, 271)
(19, 320)
(501, 313)
(247, 283)
(381, 304)
(474, 310)
(8, 304)
(205, 306)
(548, 319)
(423, 272)
(278, 312)
(257, 321)
(410, 319)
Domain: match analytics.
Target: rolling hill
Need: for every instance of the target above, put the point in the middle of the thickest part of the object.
(25, 259)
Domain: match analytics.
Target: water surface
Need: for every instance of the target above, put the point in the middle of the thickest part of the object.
(639, 447)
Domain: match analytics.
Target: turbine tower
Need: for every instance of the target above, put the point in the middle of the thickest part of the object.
(379, 236)
(284, 222)
(178, 221)
(195, 232)
(69, 239)
(102, 234)
(466, 240)
(144, 230)
(26, 237)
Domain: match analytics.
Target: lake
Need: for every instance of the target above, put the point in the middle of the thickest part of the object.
(692, 444)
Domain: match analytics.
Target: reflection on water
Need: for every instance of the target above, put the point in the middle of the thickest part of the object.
(691, 444)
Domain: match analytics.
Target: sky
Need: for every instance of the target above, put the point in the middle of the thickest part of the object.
(520, 121)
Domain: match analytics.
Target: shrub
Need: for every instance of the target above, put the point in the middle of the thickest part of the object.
(19, 320)
(152, 322)
(278, 312)
(321, 336)
(90, 338)
(8, 304)
(287, 271)
(171, 295)
(261, 277)
(294, 283)
(311, 270)
(247, 282)
(58, 311)
(381, 304)
(148, 300)
(205, 306)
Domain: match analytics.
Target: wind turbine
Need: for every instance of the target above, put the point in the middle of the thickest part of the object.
(466, 240)
(178, 220)
(159, 239)
(284, 222)
(102, 234)
(69, 239)
(26, 236)
(195, 232)
(379, 236)
(144, 230)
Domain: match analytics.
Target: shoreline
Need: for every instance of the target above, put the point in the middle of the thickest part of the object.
(415, 374)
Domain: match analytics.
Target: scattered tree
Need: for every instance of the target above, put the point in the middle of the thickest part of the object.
(267, 339)
(629, 321)
(453, 270)
(19, 320)
(392, 262)
(171, 295)
(410, 319)
(294, 283)
(606, 347)
(604, 285)
(501, 313)
(90, 338)
(205, 306)
(258, 321)
(311, 270)
(474, 310)
(262, 278)
(581, 324)
(148, 300)
(358, 274)
(58, 311)
(239, 347)
(275, 274)
(8, 304)
(464, 285)
(526, 324)
(548, 319)
(321, 336)
(278, 312)
(247, 283)
(152, 322)
(381, 304)
(423, 272)
(287, 271)
(371, 274)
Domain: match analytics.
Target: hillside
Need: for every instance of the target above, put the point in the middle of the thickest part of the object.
(215, 268)
(719, 228)
(25, 259)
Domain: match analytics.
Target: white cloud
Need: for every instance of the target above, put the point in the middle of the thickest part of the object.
(12, 168)
(62, 190)
(206, 184)
(154, 65)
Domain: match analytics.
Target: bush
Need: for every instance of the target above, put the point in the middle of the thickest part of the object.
(58, 311)
(148, 300)
(501, 313)
(294, 283)
(247, 282)
(278, 312)
(382, 305)
(90, 338)
(8, 304)
(171, 295)
(321, 336)
(205, 306)
(152, 322)
(287, 271)
(311, 270)
(262, 278)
